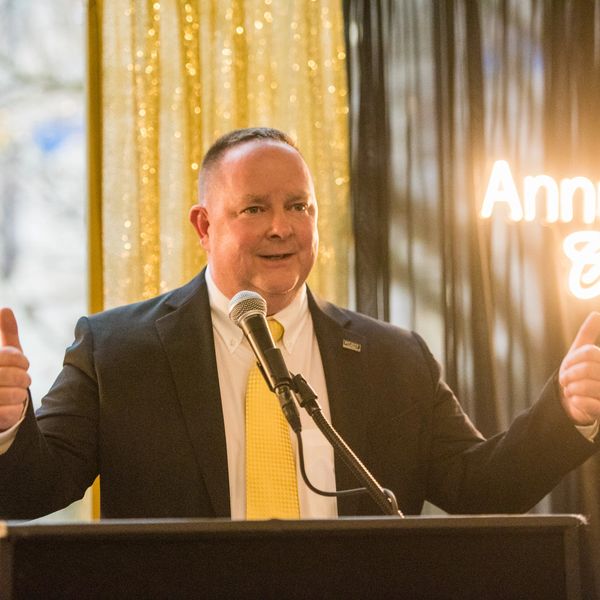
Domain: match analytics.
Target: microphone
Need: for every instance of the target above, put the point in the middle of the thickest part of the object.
(248, 310)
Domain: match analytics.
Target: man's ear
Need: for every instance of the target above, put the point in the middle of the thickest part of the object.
(199, 220)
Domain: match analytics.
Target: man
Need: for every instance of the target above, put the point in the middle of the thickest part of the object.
(151, 395)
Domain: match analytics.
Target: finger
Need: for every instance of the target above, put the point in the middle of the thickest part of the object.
(9, 331)
(9, 415)
(583, 355)
(584, 387)
(12, 396)
(14, 377)
(574, 369)
(583, 409)
(12, 357)
(588, 333)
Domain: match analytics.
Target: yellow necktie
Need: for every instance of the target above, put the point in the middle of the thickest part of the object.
(271, 485)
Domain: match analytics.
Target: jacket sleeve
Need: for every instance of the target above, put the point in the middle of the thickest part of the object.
(53, 458)
(509, 472)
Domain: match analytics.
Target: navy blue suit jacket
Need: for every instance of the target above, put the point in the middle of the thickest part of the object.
(137, 402)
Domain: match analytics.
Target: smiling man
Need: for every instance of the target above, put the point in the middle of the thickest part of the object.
(257, 217)
(153, 396)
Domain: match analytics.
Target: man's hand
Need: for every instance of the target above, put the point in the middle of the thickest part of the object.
(14, 379)
(579, 374)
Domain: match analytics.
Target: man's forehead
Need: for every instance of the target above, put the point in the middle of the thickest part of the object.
(265, 160)
(242, 162)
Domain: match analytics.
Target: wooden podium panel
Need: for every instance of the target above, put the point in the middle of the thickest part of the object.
(487, 557)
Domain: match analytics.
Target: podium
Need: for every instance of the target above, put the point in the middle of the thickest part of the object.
(483, 557)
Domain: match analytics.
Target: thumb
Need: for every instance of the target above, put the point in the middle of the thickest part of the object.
(9, 332)
(589, 332)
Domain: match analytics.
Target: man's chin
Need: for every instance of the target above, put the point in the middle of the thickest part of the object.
(282, 287)
(278, 296)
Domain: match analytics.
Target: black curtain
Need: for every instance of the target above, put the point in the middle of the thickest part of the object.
(440, 89)
(367, 40)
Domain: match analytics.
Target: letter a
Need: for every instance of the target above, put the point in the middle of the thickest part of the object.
(501, 188)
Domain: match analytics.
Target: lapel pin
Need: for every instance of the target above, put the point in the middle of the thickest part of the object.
(350, 345)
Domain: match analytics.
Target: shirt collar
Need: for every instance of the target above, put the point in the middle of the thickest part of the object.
(293, 317)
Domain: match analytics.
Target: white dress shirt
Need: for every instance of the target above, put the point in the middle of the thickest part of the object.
(301, 354)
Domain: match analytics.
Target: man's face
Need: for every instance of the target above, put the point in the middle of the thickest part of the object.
(258, 222)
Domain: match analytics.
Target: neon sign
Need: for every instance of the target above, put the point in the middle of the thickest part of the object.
(581, 247)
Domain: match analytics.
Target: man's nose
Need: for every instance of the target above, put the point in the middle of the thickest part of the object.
(281, 224)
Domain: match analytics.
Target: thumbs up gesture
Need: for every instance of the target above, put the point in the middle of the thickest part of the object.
(14, 379)
(579, 374)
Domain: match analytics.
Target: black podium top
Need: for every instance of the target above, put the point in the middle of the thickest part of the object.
(418, 557)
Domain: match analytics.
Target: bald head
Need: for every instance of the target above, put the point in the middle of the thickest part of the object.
(234, 138)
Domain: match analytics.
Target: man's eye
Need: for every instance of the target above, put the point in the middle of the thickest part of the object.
(300, 207)
(252, 210)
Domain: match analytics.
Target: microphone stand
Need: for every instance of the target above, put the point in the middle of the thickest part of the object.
(288, 388)
(308, 400)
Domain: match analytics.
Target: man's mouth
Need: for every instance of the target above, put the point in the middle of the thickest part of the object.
(276, 257)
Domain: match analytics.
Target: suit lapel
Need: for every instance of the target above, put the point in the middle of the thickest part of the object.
(187, 337)
(342, 353)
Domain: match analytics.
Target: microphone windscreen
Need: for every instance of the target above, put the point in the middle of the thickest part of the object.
(245, 304)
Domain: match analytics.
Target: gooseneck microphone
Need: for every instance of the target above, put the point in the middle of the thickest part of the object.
(248, 310)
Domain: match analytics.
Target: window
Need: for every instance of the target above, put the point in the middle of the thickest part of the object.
(42, 182)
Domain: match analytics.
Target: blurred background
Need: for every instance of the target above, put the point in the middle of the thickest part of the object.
(43, 191)
(401, 108)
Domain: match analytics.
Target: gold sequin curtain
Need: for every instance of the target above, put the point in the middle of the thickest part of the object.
(175, 75)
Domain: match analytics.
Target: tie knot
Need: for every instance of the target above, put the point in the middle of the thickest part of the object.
(276, 329)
